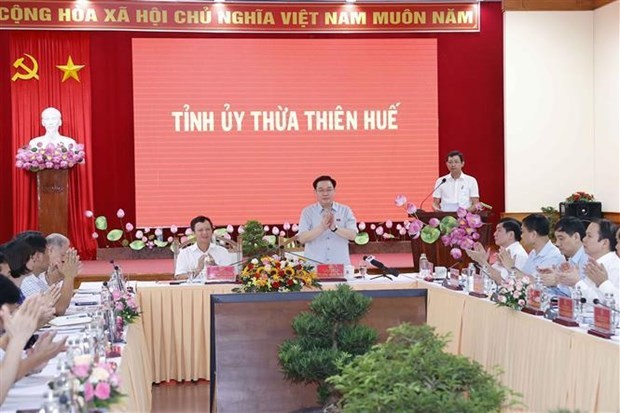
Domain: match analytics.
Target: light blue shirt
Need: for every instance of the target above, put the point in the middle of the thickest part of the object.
(579, 260)
(327, 248)
(549, 256)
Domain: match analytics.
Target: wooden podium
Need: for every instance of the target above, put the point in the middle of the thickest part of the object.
(53, 195)
(439, 254)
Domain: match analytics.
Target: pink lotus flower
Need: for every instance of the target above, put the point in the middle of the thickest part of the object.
(433, 222)
(275, 231)
(102, 391)
(116, 295)
(361, 226)
(88, 213)
(94, 235)
(379, 231)
(400, 200)
(521, 302)
(139, 234)
(402, 231)
(120, 213)
(373, 227)
(241, 230)
(295, 228)
(230, 229)
(170, 238)
(456, 253)
(188, 232)
(174, 229)
(389, 224)
(286, 226)
(266, 228)
(89, 392)
(158, 232)
(129, 227)
(411, 208)
(147, 230)
(461, 212)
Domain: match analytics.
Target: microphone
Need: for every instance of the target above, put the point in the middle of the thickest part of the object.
(598, 302)
(443, 181)
(371, 259)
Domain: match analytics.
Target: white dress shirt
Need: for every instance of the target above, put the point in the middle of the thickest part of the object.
(611, 262)
(455, 193)
(518, 253)
(187, 261)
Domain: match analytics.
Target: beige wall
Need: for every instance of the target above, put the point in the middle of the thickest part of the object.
(561, 118)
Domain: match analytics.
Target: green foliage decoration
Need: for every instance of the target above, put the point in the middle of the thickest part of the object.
(253, 243)
(327, 338)
(410, 372)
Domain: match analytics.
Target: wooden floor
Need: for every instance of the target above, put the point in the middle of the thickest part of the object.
(183, 397)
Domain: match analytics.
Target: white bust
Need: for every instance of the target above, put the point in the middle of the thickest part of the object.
(51, 121)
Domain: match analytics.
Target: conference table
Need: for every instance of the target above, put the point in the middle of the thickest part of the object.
(552, 366)
(134, 369)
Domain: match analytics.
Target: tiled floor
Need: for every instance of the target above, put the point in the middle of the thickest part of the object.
(183, 397)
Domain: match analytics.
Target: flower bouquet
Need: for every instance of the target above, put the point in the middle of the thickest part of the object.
(276, 274)
(580, 197)
(125, 306)
(513, 293)
(99, 383)
(38, 158)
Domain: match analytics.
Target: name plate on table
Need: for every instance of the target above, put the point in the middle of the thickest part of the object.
(602, 322)
(224, 273)
(452, 282)
(566, 312)
(533, 302)
(328, 272)
(478, 287)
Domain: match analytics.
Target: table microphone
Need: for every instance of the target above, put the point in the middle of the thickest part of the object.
(443, 181)
(371, 259)
(598, 302)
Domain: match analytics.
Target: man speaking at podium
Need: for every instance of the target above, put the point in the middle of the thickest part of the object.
(456, 189)
(325, 228)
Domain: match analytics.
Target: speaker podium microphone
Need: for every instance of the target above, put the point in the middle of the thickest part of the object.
(443, 181)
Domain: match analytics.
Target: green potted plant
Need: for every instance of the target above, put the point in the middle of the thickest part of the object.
(253, 242)
(328, 336)
(411, 372)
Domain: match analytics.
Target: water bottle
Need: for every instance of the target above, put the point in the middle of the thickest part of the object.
(471, 273)
(424, 268)
(106, 296)
(610, 301)
(51, 404)
(577, 295)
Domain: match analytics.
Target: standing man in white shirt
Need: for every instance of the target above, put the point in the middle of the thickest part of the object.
(507, 237)
(326, 227)
(194, 259)
(457, 189)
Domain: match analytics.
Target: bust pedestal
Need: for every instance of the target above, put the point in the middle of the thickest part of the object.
(53, 194)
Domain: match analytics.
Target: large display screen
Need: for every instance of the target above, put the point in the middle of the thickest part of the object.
(238, 129)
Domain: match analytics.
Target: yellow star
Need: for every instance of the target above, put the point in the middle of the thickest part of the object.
(70, 70)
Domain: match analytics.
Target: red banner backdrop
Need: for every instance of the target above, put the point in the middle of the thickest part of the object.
(30, 95)
(241, 17)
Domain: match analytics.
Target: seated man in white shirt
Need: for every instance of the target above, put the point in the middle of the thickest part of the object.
(64, 265)
(569, 231)
(455, 190)
(603, 268)
(194, 259)
(544, 255)
(507, 237)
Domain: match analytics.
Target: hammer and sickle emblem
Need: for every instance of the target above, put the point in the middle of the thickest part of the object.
(29, 72)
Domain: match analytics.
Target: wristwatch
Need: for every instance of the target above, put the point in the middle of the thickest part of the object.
(335, 229)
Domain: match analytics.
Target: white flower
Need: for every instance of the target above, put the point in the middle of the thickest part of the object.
(230, 229)
(82, 359)
(100, 374)
(139, 234)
